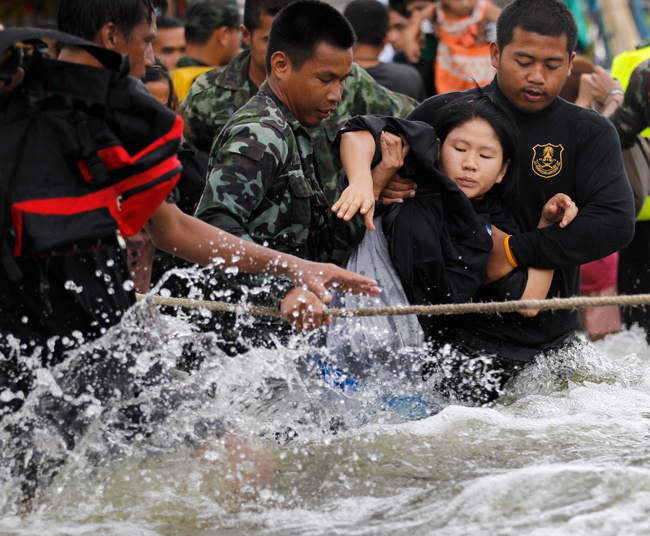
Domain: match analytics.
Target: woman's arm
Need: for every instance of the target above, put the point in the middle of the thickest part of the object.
(365, 184)
(559, 209)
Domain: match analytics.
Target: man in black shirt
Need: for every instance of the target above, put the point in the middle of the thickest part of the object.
(564, 149)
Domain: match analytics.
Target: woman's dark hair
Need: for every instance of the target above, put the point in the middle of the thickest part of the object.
(157, 72)
(481, 106)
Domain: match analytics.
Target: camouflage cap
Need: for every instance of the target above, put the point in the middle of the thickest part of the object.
(212, 14)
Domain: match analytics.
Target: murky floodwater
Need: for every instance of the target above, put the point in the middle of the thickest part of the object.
(261, 444)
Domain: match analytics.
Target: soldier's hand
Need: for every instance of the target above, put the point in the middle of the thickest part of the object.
(303, 310)
(318, 277)
(397, 189)
(559, 209)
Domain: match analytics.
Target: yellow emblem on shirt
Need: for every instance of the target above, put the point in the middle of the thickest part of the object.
(547, 160)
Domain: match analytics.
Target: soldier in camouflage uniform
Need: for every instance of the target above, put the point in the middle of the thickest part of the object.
(217, 94)
(212, 36)
(261, 182)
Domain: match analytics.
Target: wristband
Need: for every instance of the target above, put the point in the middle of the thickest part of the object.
(509, 255)
(615, 91)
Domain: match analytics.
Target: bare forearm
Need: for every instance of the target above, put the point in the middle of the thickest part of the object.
(357, 151)
(196, 241)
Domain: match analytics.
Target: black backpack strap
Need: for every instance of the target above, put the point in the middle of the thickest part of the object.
(33, 36)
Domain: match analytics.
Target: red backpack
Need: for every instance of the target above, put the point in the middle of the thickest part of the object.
(85, 151)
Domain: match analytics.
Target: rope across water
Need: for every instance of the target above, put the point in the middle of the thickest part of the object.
(581, 302)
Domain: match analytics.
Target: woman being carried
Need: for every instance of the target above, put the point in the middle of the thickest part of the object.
(440, 240)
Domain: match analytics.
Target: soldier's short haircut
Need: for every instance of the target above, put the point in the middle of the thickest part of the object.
(369, 19)
(165, 22)
(299, 28)
(203, 17)
(254, 9)
(550, 18)
(84, 18)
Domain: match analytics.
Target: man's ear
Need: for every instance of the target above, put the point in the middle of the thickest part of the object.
(495, 54)
(107, 36)
(571, 58)
(245, 34)
(221, 35)
(280, 65)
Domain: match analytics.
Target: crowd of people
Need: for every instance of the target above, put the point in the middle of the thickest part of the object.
(486, 184)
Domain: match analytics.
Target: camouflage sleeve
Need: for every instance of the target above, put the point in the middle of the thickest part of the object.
(243, 166)
(197, 111)
(633, 115)
(373, 98)
(246, 159)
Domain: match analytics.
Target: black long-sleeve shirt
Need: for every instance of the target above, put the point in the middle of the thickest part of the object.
(564, 149)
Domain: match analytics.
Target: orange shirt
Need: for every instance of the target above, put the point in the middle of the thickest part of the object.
(463, 55)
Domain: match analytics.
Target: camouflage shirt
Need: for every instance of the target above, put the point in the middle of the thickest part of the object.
(633, 115)
(217, 94)
(262, 187)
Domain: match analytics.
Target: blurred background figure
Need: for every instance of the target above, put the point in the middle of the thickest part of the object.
(463, 55)
(212, 40)
(599, 278)
(370, 21)
(169, 45)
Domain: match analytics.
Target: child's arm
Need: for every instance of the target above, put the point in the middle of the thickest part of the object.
(492, 12)
(559, 209)
(365, 184)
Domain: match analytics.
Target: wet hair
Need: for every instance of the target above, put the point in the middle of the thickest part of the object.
(254, 9)
(544, 17)
(84, 18)
(168, 22)
(157, 72)
(485, 107)
(369, 19)
(299, 28)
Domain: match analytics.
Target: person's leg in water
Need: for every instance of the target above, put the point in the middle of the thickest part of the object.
(468, 378)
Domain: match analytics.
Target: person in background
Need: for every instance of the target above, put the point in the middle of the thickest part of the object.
(416, 41)
(598, 278)
(212, 37)
(169, 45)
(463, 55)
(629, 111)
(370, 19)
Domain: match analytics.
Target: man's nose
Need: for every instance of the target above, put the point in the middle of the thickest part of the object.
(149, 57)
(536, 74)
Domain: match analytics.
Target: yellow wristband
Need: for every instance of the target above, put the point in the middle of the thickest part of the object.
(511, 258)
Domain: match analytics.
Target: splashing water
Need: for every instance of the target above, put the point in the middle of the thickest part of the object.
(289, 442)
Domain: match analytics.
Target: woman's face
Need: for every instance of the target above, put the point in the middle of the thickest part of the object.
(159, 90)
(472, 157)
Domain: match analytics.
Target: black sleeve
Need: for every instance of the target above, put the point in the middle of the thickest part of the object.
(605, 221)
